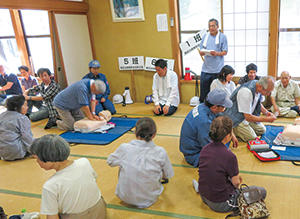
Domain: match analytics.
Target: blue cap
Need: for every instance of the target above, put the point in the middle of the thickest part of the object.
(219, 97)
(94, 64)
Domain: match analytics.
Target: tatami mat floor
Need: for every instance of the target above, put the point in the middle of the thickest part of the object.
(21, 181)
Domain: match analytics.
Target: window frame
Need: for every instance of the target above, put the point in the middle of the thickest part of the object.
(27, 37)
(51, 6)
(283, 30)
(181, 76)
(273, 37)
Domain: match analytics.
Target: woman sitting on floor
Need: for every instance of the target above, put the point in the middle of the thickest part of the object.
(15, 130)
(142, 166)
(224, 80)
(219, 176)
(72, 192)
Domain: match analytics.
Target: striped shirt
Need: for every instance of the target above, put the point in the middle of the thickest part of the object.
(48, 95)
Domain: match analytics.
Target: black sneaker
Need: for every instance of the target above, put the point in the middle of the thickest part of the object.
(51, 122)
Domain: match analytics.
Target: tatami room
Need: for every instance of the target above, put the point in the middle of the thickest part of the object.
(22, 181)
(80, 31)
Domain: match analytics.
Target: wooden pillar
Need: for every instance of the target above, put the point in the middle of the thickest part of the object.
(176, 54)
(273, 37)
(19, 34)
(133, 90)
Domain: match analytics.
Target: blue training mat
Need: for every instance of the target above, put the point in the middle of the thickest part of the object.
(291, 153)
(122, 126)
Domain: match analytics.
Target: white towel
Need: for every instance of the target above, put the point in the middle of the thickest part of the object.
(206, 38)
(161, 89)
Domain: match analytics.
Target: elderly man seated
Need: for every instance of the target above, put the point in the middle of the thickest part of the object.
(285, 97)
(247, 108)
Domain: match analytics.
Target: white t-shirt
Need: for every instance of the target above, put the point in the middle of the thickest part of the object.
(71, 190)
(141, 167)
(229, 88)
(245, 101)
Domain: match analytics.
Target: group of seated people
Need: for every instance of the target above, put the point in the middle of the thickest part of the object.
(63, 108)
(245, 111)
(42, 95)
(79, 195)
(72, 192)
(227, 113)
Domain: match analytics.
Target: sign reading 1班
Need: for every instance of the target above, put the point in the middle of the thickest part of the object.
(131, 63)
(192, 42)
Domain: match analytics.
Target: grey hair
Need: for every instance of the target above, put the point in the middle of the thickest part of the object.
(215, 20)
(265, 81)
(50, 148)
(100, 86)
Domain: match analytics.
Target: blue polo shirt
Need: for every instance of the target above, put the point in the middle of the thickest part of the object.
(195, 133)
(32, 81)
(75, 96)
(15, 88)
(214, 64)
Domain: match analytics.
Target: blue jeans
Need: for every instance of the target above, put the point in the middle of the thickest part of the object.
(39, 115)
(107, 105)
(205, 81)
(2, 99)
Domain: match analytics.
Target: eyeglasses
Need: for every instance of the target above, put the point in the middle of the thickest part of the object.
(267, 92)
(212, 26)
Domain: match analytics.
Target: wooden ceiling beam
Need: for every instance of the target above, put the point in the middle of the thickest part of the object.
(49, 5)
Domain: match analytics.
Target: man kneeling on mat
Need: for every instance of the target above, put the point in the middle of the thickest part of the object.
(78, 96)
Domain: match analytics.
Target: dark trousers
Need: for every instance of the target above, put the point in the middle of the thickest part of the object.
(2, 99)
(205, 81)
(231, 204)
(107, 105)
(30, 103)
(172, 110)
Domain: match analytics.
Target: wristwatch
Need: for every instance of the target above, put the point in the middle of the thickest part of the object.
(94, 113)
(30, 98)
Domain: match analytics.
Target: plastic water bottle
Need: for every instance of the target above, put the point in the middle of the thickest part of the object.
(23, 212)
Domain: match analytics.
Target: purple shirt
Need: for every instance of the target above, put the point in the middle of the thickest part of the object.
(216, 166)
(32, 81)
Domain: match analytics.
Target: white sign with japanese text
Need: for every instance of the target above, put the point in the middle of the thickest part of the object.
(131, 63)
(150, 63)
(192, 42)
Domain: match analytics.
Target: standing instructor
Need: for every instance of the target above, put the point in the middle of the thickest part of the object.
(216, 42)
